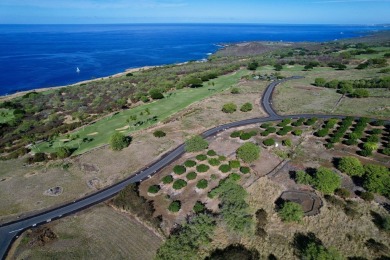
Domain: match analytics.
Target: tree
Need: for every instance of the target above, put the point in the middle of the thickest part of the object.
(351, 166)
(315, 251)
(253, 65)
(159, 133)
(377, 179)
(278, 67)
(291, 212)
(269, 142)
(202, 184)
(246, 107)
(174, 206)
(326, 181)
(155, 93)
(229, 108)
(248, 152)
(202, 168)
(196, 144)
(179, 184)
(118, 141)
(360, 93)
(154, 189)
(319, 82)
(234, 91)
(194, 82)
(302, 177)
(63, 152)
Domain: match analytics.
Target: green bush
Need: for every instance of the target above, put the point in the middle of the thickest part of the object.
(214, 162)
(326, 181)
(291, 212)
(211, 153)
(196, 144)
(311, 121)
(118, 141)
(265, 125)
(159, 133)
(213, 177)
(234, 91)
(234, 164)
(264, 133)
(365, 152)
(154, 189)
(179, 184)
(229, 108)
(246, 107)
(386, 151)
(271, 129)
(245, 136)
(248, 152)
(297, 132)
(179, 169)
(343, 193)
(351, 166)
(287, 142)
(225, 168)
(245, 169)
(167, 179)
(302, 177)
(235, 134)
(63, 152)
(222, 158)
(202, 184)
(202, 168)
(189, 163)
(201, 157)
(367, 196)
(269, 142)
(174, 206)
(234, 177)
(199, 207)
(191, 176)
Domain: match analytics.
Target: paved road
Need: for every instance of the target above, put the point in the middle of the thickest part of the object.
(9, 231)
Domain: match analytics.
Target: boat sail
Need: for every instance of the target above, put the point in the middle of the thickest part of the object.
(77, 70)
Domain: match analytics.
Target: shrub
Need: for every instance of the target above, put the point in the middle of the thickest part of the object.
(159, 133)
(234, 91)
(264, 133)
(311, 121)
(386, 151)
(154, 189)
(179, 169)
(246, 107)
(199, 207)
(234, 177)
(297, 132)
(234, 164)
(225, 168)
(245, 169)
(271, 129)
(302, 177)
(282, 132)
(245, 136)
(64, 152)
(202, 184)
(191, 176)
(156, 94)
(287, 142)
(179, 184)
(118, 141)
(214, 162)
(326, 181)
(269, 142)
(291, 212)
(248, 152)
(343, 193)
(167, 179)
(235, 134)
(213, 177)
(196, 144)
(229, 108)
(265, 125)
(189, 163)
(367, 196)
(351, 166)
(174, 206)
(365, 152)
(202, 168)
(222, 158)
(201, 157)
(211, 153)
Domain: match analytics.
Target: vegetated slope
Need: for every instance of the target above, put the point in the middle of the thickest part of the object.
(99, 233)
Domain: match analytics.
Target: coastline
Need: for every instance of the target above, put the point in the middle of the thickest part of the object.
(21, 93)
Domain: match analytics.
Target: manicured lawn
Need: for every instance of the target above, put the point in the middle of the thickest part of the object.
(99, 133)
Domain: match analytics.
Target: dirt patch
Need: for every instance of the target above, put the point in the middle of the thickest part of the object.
(89, 168)
(94, 184)
(41, 236)
(30, 174)
(55, 191)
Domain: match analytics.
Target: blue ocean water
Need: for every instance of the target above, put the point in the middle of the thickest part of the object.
(37, 56)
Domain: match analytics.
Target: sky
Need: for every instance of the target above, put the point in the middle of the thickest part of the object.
(194, 11)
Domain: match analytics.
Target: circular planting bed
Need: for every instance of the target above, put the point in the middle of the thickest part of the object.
(309, 201)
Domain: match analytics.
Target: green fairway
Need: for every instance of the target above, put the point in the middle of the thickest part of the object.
(138, 118)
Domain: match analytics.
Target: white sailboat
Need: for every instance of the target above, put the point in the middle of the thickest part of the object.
(77, 70)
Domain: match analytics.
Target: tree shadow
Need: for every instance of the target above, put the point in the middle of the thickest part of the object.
(301, 241)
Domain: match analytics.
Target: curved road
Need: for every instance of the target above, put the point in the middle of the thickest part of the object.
(9, 231)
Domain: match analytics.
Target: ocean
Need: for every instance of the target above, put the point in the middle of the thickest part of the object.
(38, 56)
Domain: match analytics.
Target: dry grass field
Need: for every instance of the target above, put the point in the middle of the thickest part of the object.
(97, 233)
